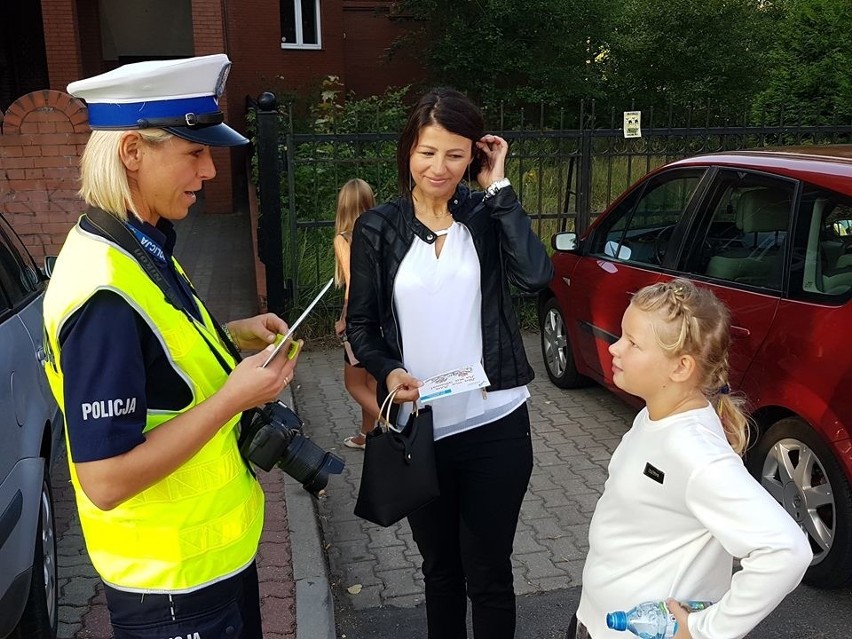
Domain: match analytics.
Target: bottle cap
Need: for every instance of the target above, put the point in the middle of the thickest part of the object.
(617, 620)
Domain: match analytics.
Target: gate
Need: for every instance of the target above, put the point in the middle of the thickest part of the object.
(563, 177)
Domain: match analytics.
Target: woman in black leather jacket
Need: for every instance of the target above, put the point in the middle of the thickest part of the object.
(430, 293)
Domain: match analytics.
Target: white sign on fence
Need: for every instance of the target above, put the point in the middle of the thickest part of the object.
(633, 124)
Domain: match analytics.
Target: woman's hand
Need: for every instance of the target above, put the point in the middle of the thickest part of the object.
(255, 333)
(407, 383)
(495, 149)
(681, 614)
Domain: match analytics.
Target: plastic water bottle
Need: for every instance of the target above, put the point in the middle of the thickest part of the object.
(650, 619)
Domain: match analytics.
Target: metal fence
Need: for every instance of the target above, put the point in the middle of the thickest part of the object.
(564, 178)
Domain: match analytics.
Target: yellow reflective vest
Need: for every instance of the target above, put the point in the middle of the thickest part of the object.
(203, 522)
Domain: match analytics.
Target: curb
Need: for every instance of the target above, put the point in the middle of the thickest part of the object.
(314, 602)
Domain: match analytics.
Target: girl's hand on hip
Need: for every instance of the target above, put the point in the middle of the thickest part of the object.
(340, 327)
(681, 614)
(495, 149)
(407, 384)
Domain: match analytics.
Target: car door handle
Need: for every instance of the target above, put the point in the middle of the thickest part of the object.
(41, 356)
(739, 332)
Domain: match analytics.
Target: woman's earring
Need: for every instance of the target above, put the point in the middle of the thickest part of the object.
(410, 183)
(468, 175)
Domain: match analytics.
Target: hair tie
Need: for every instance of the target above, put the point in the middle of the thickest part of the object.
(725, 390)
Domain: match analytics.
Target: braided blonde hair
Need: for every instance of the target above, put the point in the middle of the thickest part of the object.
(696, 323)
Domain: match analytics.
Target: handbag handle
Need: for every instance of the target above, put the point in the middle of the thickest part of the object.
(384, 418)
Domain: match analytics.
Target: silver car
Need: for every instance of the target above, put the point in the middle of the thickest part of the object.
(30, 439)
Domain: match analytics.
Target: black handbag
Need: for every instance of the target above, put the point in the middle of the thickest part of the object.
(399, 474)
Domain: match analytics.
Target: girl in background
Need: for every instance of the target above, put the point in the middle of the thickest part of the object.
(679, 505)
(354, 198)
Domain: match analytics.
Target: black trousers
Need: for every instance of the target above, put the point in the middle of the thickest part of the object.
(466, 535)
(229, 609)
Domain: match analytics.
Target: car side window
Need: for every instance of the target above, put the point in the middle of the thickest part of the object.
(30, 276)
(640, 227)
(16, 279)
(742, 239)
(822, 247)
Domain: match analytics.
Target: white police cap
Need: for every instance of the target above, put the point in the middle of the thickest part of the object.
(180, 96)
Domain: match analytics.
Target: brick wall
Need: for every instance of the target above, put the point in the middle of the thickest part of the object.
(61, 42)
(208, 30)
(369, 32)
(260, 64)
(41, 137)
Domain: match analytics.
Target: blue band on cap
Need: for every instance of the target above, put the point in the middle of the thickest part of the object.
(127, 116)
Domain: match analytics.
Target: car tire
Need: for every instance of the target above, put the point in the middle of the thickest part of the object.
(40, 619)
(824, 514)
(556, 348)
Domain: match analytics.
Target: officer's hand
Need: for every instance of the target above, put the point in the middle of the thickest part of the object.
(255, 333)
(250, 385)
(407, 383)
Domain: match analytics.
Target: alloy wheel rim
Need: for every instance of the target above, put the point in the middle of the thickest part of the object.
(794, 475)
(48, 545)
(555, 343)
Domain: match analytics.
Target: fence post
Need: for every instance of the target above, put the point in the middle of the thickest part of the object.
(269, 224)
(293, 227)
(584, 179)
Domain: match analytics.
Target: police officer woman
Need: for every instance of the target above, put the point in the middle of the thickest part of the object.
(151, 389)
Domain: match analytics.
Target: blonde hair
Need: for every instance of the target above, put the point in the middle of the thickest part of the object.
(103, 176)
(696, 323)
(354, 198)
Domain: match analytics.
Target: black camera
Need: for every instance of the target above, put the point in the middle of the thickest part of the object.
(275, 435)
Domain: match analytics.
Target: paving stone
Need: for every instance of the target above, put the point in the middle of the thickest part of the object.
(400, 582)
(368, 597)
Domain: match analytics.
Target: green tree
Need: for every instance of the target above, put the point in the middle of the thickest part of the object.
(508, 51)
(688, 52)
(809, 75)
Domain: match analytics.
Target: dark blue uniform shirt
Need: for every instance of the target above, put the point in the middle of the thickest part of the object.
(114, 367)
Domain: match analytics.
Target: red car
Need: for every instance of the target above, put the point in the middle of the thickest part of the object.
(770, 232)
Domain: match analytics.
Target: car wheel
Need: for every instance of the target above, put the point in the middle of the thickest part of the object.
(41, 614)
(556, 349)
(799, 470)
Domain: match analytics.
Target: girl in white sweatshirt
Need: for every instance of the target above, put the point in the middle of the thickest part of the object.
(679, 505)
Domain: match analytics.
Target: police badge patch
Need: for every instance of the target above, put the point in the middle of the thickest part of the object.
(223, 77)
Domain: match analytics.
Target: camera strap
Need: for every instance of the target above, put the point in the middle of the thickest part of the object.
(112, 229)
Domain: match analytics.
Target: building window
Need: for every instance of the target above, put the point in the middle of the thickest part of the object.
(300, 24)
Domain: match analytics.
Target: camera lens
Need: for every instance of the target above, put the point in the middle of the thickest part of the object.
(275, 435)
(309, 464)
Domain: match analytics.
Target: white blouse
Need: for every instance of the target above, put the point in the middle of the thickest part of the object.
(438, 304)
